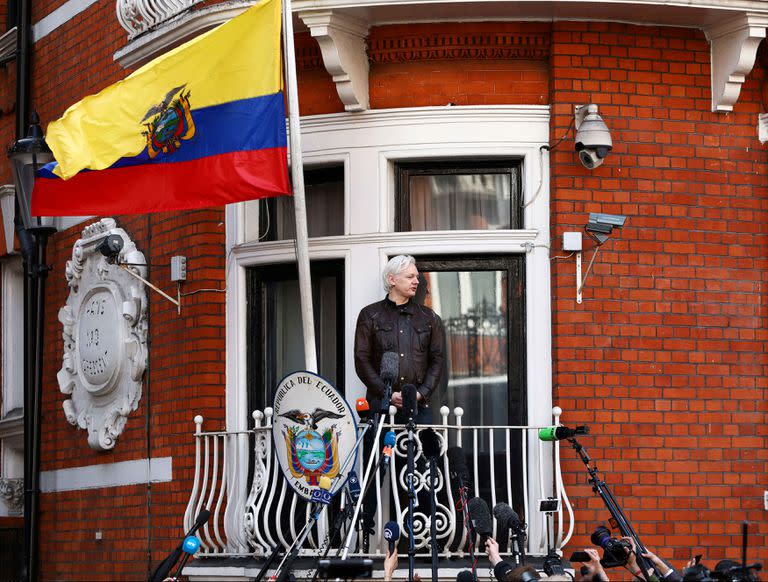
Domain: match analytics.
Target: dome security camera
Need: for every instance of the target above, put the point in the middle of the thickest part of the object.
(593, 139)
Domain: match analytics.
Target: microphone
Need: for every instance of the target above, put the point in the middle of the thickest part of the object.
(558, 433)
(322, 495)
(465, 576)
(391, 534)
(390, 366)
(458, 467)
(389, 445)
(165, 567)
(507, 516)
(480, 517)
(353, 486)
(409, 400)
(189, 546)
(430, 443)
(363, 409)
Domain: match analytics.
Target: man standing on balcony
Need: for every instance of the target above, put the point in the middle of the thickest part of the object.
(400, 324)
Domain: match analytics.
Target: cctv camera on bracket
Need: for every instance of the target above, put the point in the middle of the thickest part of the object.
(593, 139)
(600, 226)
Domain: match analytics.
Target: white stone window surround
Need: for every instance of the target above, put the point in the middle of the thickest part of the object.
(11, 413)
(369, 144)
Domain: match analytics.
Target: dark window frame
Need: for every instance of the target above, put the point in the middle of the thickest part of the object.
(514, 265)
(404, 170)
(260, 334)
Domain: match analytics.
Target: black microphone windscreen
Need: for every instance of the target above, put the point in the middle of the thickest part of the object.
(409, 400)
(430, 443)
(480, 516)
(202, 517)
(504, 514)
(390, 365)
(465, 576)
(457, 463)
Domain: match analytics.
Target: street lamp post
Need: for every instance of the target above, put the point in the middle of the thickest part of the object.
(27, 155)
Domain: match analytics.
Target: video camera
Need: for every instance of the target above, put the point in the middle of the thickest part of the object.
(615, 551)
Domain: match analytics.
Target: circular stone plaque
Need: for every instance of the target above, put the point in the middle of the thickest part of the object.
(98, 340)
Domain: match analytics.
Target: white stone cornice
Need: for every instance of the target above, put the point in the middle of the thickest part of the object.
(176, 31)
(8, 43)
(733, 48)
(342, 43)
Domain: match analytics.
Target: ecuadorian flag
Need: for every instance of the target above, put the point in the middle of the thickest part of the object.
(202, 125)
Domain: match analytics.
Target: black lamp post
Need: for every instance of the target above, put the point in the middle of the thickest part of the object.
(27, 155)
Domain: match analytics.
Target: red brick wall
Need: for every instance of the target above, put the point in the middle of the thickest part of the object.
(185, 377)
(665, 359)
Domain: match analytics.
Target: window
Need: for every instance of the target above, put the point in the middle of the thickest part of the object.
(324, 195)
(482, 304)
(458, 196)
(11, 14)
(276, 347)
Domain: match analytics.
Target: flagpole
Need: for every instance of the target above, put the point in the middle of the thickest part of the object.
(300, 208)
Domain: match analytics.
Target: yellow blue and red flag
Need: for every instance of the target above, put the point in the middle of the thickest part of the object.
(202, 125)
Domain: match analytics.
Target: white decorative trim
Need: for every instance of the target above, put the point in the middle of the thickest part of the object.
(8, 207)
(176, 31)
(136, 472)
(12, 492)
(733, 48)
(342, 43)
(8, 42)
(58, 17)
(762, 127)
(105, 336)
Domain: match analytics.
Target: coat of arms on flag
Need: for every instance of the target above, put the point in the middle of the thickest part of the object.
(314, 431)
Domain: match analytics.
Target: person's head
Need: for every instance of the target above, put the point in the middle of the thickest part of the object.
(400, 276)
(522, 574)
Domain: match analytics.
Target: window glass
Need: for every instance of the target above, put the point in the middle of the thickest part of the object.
(324, 198)
(275, 333)
(436, 196)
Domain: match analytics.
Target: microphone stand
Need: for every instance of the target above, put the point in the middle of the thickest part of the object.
(433, 515)
(470, 528)
(368, 472)
(411, 494)
(600, 487)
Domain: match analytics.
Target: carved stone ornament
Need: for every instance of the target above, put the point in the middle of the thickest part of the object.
(105, 336)
(12, 491)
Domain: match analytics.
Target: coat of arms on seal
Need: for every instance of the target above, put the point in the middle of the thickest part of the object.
(314, 431)
(169, 122)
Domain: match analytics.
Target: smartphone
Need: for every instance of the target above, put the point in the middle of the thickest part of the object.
(580, 556)
(550, 504)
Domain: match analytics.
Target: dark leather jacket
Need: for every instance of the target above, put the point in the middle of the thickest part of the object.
(414, 332)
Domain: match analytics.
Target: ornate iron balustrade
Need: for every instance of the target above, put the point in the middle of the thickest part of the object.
(253, 510)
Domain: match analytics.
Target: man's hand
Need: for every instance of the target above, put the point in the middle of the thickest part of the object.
(594, 566)
(492, 549)
(397, 399)
(390, 565)
(658, 562)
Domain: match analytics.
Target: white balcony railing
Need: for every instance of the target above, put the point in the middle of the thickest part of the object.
(254, 510)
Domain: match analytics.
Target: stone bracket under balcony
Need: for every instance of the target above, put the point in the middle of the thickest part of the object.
(342, 44)
(734, 46)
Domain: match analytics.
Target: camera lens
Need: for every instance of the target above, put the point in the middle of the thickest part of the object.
(600, 536)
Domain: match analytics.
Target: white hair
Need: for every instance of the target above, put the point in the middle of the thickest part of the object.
(394, 266)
